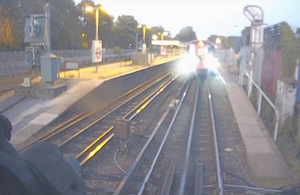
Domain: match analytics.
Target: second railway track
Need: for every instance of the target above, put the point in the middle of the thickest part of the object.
(181, 156)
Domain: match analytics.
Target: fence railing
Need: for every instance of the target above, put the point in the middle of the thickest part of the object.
(13, 63)
(262, 94)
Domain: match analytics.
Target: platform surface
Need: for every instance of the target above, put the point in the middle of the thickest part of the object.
(264, 157)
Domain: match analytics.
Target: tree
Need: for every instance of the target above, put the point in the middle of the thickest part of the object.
(213, 38)
(6, 36)
(66, 28)
(229, 42)
(157, 30)
(226, 42)
(186, 34)
(9, 38)
(298, 32)
(89, 24)
(290, 50)
(125, 30)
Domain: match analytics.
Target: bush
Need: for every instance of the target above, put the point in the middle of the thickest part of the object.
(117, 50)
(290, 50)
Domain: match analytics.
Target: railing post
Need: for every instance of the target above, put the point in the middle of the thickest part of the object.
(242, 78)
(248, 88)
(276, 125)
(259, 102)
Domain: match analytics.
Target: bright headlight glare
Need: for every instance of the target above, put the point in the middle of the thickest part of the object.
(187, 64)
(212, 63)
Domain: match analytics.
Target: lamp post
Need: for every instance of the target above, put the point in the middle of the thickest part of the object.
(162, 34)
(96, 8)
(165, 33)
(144, 47)
(97, 44)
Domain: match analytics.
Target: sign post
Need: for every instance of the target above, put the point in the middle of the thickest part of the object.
(97, 52)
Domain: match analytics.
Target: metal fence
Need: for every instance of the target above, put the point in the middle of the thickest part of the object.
(261, 94)
(13, 63)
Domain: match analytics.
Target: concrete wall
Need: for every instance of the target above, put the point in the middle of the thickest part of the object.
(285, 100)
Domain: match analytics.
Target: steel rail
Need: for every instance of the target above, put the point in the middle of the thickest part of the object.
(96, 147)
(219, 173)
(134, 165)
(91, 145)
(99, 119)
(134, 112)
(56, 130)
(163, 142)
(2, 92)
(188, 148)
(253, 188)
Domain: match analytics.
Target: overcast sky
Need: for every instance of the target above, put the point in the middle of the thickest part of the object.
(205, 16)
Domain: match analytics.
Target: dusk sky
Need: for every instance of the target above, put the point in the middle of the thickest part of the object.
(205, 16)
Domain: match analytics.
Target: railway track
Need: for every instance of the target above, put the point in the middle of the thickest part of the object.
(76, 137)
(165, 165)
(3, 92)
(79, 144)
(72, 127)
(181, 155)
(151, 172)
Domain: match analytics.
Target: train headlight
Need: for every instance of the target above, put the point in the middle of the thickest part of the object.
(187, 64)
(212, 63)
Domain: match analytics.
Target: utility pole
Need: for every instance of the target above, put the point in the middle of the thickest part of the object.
(256, 15)
(48, 27)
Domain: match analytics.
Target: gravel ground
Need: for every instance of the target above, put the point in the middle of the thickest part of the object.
(202, 147)
(231, 147)
(103, 163)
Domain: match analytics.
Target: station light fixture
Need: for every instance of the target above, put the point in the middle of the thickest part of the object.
(89, 9)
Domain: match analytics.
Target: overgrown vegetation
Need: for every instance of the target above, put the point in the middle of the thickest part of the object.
(290, 50)
(289, 144)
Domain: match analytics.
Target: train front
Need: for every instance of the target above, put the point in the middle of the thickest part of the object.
(200, 58)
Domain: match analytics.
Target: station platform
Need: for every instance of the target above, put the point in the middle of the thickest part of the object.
(31, 115)
(264, 157)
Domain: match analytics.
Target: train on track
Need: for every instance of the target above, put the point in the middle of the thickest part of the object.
(201, 57)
